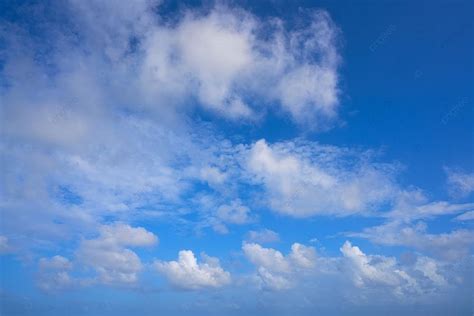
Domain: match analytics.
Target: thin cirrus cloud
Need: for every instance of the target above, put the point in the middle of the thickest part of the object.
(263, 236)
(460, 184)
(468, 216)
(450, 246)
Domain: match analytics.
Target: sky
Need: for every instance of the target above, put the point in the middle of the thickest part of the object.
(236, 157)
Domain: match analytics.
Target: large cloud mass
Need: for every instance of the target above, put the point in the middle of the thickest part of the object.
(113, 123)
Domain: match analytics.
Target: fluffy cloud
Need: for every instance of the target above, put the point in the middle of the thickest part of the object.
(212, 175)
(108, 256)
(215, 49)
(234, 213)
(125, 235)
(276, 271)
(380, 273)
(355, 275)
(55, 263)
(306, 179)
(54, 274)
(219, 58)
(188, 274)
(217, 209)
(222, 58)
(430, 269)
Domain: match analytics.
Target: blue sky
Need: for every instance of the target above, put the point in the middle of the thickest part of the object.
(236, 158)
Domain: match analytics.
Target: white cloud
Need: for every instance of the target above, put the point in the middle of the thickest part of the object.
(187, 273)
(234, 213)
(105, 113)
(414, 205)
(355, 275)
(125, 235)
(4, 245)
(221, 58)
(306, 179)
(263, 236)
(54, 274)
(266, 257)
(366, 269)
(215, 49)
(434, 209)
(212, 175)
(309, 89)
(272, 281)
(406, 225)
(108, 256)
(452, 245)
(55, 263)
(276, 271)
(378, 273)
(303, 256)
(468, 216)
(306, 61)
(114, 30)
(460, 184)
(429, 268)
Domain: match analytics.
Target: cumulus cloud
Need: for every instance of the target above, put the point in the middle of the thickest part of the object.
(54, 274)
(430, 269)
(354, 276)
(381, 271)
(375, 272)
(188, 274)
(222, 58)
(306, 179)
(276, 271)
(234, 213)
(108, 256)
